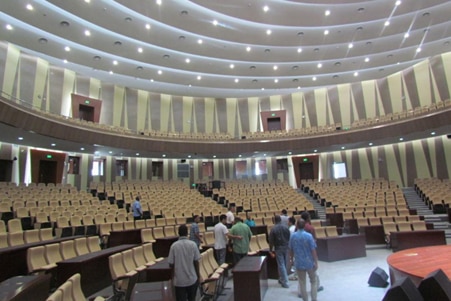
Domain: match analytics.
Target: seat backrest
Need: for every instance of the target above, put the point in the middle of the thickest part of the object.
(75, 221)
(158, 232)
(148, 252)
(99, 219)
(209, 237)
(418, 225)
(66, 289)
(81, 246)
(31, 236)
(138, 256)
(4, 240)
(129, 225)
(117, 226)
(374, 221)
(52, 253)
(56, 296)
(169, 231)
(117, 268)
(147, 235)
(45, 234)
(93, 243)
(14, 225)
(62, 221)
(128, 261)
(77, 293)
(35, 258)
(104, 229)
(67, 249)
(253, 245)
(320, 232)
(150, 223)
(262, 242)
(15, 239)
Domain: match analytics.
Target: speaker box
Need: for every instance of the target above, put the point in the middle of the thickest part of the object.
(435, 286)
(403, 290)
(378, 278)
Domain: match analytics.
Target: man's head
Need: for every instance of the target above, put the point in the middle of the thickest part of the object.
(291, 221)
(196, 218)
(277, 219)
(183, 230)
(284, 212)
(138, 198)
(305, 216)
(223, 218)
(238, 220)
(249, 215)
(232, 208)
(300, 225)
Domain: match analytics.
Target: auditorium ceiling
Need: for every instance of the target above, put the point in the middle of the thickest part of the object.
(229, 48)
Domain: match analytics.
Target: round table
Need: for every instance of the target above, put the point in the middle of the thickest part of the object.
(417, 263)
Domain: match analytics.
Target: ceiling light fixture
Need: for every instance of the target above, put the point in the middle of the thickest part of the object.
(327, 13)
(314, 78)
(87, 33)
(326, 32)
(232, 66)
(67, 48)
(148, 26)
(215, 22)
(268, 32)
(356, 74)
(275, 67)
(9, 27)
(319, 65)
(160, 72)
(367, 59)
(248, 48)
(387, 23)
(199, 77)
(29, 7)
(350, 45)
(276, 80)
(406, 35)
(265, 8)
(299, 50)
(115, 62)
(140, 50)
(158, 2)
(398, 3)
(187, 60)
(237, 80)
(199, 41)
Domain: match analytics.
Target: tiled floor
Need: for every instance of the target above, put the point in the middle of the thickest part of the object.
(342, 280)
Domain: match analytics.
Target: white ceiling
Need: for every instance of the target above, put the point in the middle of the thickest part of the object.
(118, 28)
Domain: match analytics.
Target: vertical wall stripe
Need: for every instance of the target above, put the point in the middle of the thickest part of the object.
(275, 103)
(364, 164)
(441, 67)
(209, 113)
(343, 109)
(321, 106)
(165, 103)
(395, 93)
(178, 123)
(142, 110)
(68, 85)
(231, 114)
(11, 69)
(199, 116)
(254, 117)
(443, 154)
(423, 157)
(287, 105)
(118, 105)
(222, 114)
(422, 84)
(368, 102)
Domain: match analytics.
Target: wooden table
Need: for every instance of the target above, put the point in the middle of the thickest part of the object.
(117, 238)
(25, 288)
(93, 268)
(341, 247)
(155, 291)
(250, 280)
(417, 263)
(162, 245)
(413, 239)
(160, 271)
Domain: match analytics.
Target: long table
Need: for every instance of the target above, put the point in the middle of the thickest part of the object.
(25, 288)
(413, 239)
(341, 247)
(13, 260)
(250, 280)
(155, 291)
(93, 268)
(117, 238)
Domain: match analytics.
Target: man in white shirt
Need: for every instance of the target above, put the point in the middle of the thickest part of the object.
(221, 233)
(230, 216)
(184, 258)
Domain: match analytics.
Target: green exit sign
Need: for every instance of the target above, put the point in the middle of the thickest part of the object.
(87, 101)
(273, 114)
(305, 159)
(49, 156)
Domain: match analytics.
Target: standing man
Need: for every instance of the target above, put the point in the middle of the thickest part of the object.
(137, 209)
(241, 236)
(230, 216)
(279, 238)
(284, 218)
(194, 233)
(221, 236)
(184, 259)
(310, 229)
(303, 253)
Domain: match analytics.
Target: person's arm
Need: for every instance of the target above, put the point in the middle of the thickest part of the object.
(198, 235)
(315, 259)
(196, 267)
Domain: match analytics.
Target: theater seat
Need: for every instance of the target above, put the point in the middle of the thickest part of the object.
(123, 281)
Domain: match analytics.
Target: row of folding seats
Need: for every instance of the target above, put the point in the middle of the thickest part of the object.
(41, 259)
(374, 221)
(369, 213)
(404, 226)
(126, 268)
(212, 275)
(327, 231)
(71, 291)
(8, 239)
(257, 244)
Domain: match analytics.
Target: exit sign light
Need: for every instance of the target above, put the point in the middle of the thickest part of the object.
(305, 159)
(87, 101)
(49, 156)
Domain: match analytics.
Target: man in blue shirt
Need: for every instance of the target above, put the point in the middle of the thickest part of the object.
(137, 209)
(194, 233)
(303, 250)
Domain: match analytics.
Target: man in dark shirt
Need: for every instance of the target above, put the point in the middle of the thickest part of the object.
(279, 238)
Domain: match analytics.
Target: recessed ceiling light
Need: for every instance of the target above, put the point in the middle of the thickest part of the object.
(115, 62)
(214, 156)
(433, 133)
(295, 67)
(342, 147)
(254, 81)
(275, 67)
(248, 48)
(387, 23)
(316, 50)
(267, 50)
(418, 49)
(215, 22)
(337, 64)
(20, 138)
(82, 148)
(164, 155)
(182, 38)
(151, 80)
(315, 150)
(111, 72)
(148, 26)
(401, 139)
(360, 28)
(300, 34)
(199, 41)
(265, 8)
(87, 33)
(268, 32)
(299, 50)
(295, 80)
(397, 3)
(319, 65)
(158, 2)
(276, 80)
(160, 72)
(232, 66)
(67, 48)
(140, 50)
(199, 77)
(361, 9)
(356, 73)
(88, 1)
(314, 78)
(406, 35)
(187, 60)
(137, 154)
(65, 61)
(327, 13)
(350, 45)
(110, 152)
(367, 59)
(335, 76)
(326, 32)
(426, 14)
(29, 7)
(9, 27)
(237, 80)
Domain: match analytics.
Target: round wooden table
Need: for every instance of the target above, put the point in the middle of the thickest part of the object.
(417, 263)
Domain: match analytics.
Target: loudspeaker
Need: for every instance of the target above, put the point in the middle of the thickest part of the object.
(435, 286)
(378, 278)
(403, 290)
(183, 161)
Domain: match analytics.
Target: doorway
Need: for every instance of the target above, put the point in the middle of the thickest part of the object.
(47, 171)
(86, 113)
(306, 171)
(274, 124)
(6, 168)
